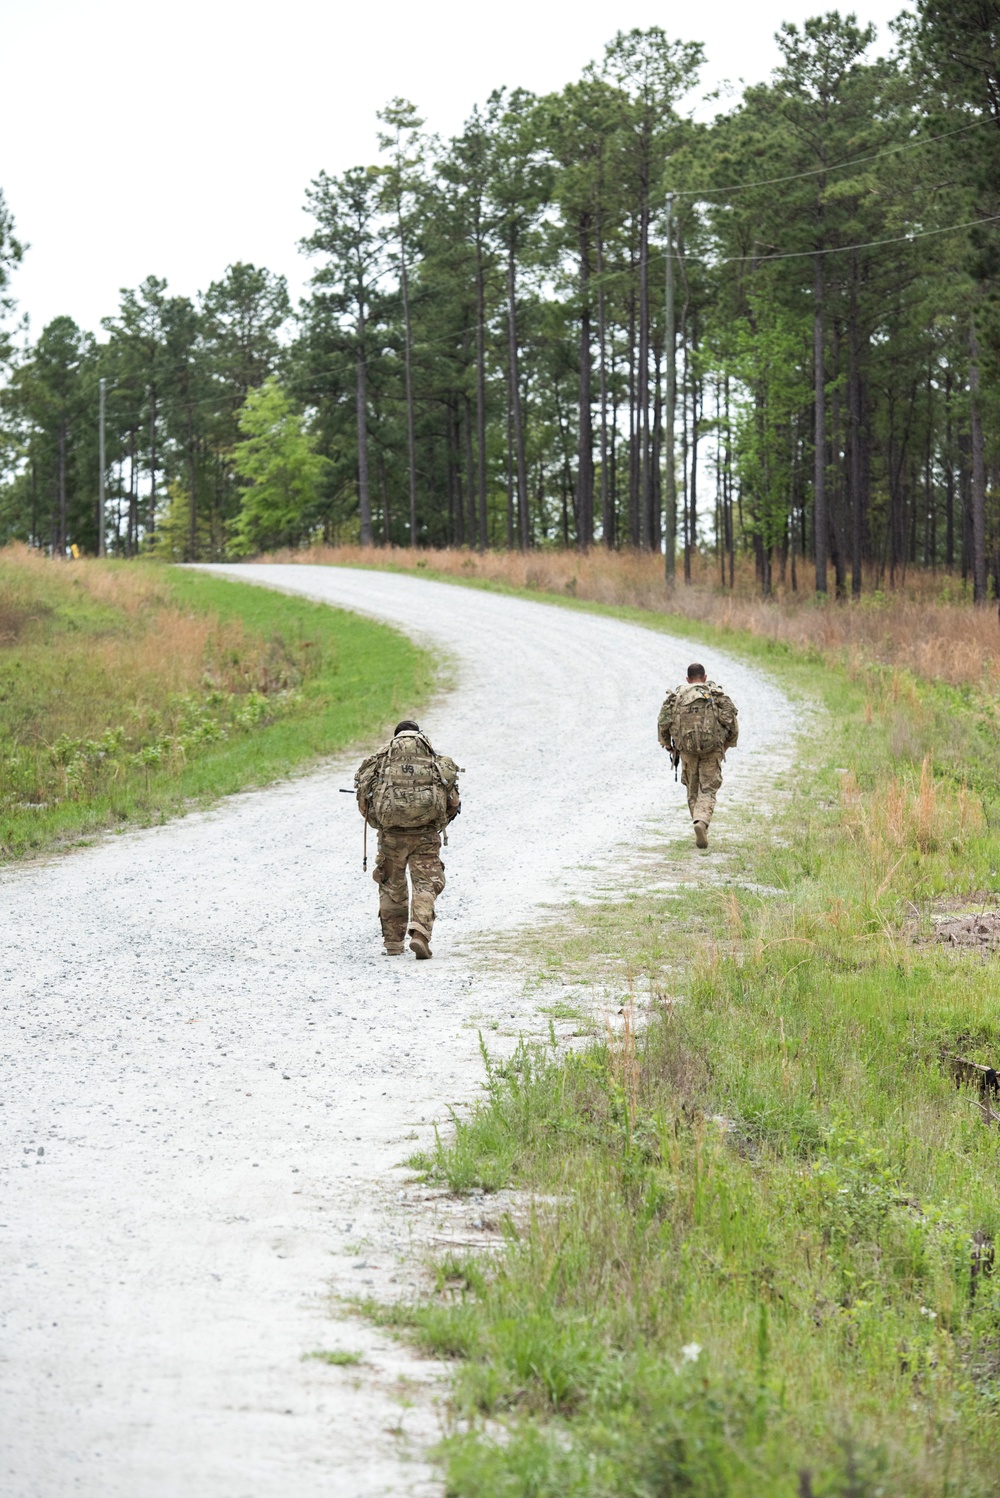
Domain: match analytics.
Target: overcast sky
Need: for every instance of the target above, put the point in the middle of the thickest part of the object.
(172, 139)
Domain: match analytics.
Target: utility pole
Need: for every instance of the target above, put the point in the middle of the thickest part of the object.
(669, 475)
(100, 481)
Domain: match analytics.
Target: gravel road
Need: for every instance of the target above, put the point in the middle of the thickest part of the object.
(210, 1073)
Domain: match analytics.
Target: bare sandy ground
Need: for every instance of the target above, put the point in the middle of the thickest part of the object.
(210, 1073)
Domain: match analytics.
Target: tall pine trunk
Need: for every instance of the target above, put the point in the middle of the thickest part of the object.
(685, 516)
(193, 476)
(820, 518)
(633, 424)
(607, 519)
(670, 464)
(480, 392)
(978, 496)
(469, 467)
(585, 444)
(515, 400)
(411, 441)
(453, 458)
(151, 521)
(642, 384)
(361, 414)
(949, 477)
(696, 403)
(854, 433)
(61, 525)
(510, 474)
(132, 529)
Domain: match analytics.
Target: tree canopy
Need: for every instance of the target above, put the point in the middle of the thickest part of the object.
(588, 319)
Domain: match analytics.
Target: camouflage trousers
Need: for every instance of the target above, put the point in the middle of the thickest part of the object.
(400, 911)
(702, 775)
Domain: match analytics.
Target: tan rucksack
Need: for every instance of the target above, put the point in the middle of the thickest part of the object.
(697, 719)
(405, 786)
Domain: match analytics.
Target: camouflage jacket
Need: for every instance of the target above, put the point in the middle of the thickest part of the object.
(722, 709)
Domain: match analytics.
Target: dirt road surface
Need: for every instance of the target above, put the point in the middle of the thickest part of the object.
(210, 1073)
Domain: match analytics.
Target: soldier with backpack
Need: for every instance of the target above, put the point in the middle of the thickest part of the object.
(698, 723)
(409, 794)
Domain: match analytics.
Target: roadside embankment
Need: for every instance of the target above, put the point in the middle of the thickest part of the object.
(129, 692)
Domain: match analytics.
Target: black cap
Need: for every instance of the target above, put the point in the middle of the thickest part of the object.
(406, 723)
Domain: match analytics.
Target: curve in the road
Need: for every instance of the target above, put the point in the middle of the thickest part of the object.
(209, 1070)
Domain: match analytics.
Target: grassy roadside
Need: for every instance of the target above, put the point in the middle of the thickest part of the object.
(129, 693)
(761, 1262)
(956, 722)
(926, 624)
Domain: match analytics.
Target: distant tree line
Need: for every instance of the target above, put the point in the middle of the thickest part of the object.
(587, 319)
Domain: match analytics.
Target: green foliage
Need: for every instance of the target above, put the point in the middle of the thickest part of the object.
(768, 361)
(283, 473)
(483, 357)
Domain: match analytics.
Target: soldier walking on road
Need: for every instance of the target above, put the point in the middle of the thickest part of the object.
(408, 794)
(698, 723)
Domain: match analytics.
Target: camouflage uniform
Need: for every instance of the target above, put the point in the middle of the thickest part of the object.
(398, 911)
(701, 774)
(404, 909)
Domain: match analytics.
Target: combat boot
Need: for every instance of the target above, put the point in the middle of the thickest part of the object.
(701, 834)
(420, 946)
(394, 949)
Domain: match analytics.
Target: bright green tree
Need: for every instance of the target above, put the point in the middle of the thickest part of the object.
(277, 459)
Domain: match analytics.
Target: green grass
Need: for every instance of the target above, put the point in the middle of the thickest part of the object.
(759, 1260)
(130, 693)
(338, 1358)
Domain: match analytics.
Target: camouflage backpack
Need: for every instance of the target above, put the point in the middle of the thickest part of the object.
(698, 727)
(405, 786)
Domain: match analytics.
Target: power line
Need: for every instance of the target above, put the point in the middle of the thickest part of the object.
(838, 166)
(840, 249)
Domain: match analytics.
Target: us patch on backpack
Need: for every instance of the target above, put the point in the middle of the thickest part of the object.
(410, 786)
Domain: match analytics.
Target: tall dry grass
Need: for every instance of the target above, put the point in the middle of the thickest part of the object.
(927, 626)
(116, 635)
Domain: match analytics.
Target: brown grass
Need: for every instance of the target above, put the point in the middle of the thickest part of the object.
(928, 626)
(908, 812)
(128, 634)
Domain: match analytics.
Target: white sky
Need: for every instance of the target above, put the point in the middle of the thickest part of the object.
(172, 139)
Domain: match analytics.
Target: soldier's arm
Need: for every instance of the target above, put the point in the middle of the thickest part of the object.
(362, 783)
(732, 724)
(664, 723)
(450, 773)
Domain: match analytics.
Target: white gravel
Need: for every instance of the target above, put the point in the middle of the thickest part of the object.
(223, 1071)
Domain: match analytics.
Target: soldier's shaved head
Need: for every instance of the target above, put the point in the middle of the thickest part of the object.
(696, 672)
